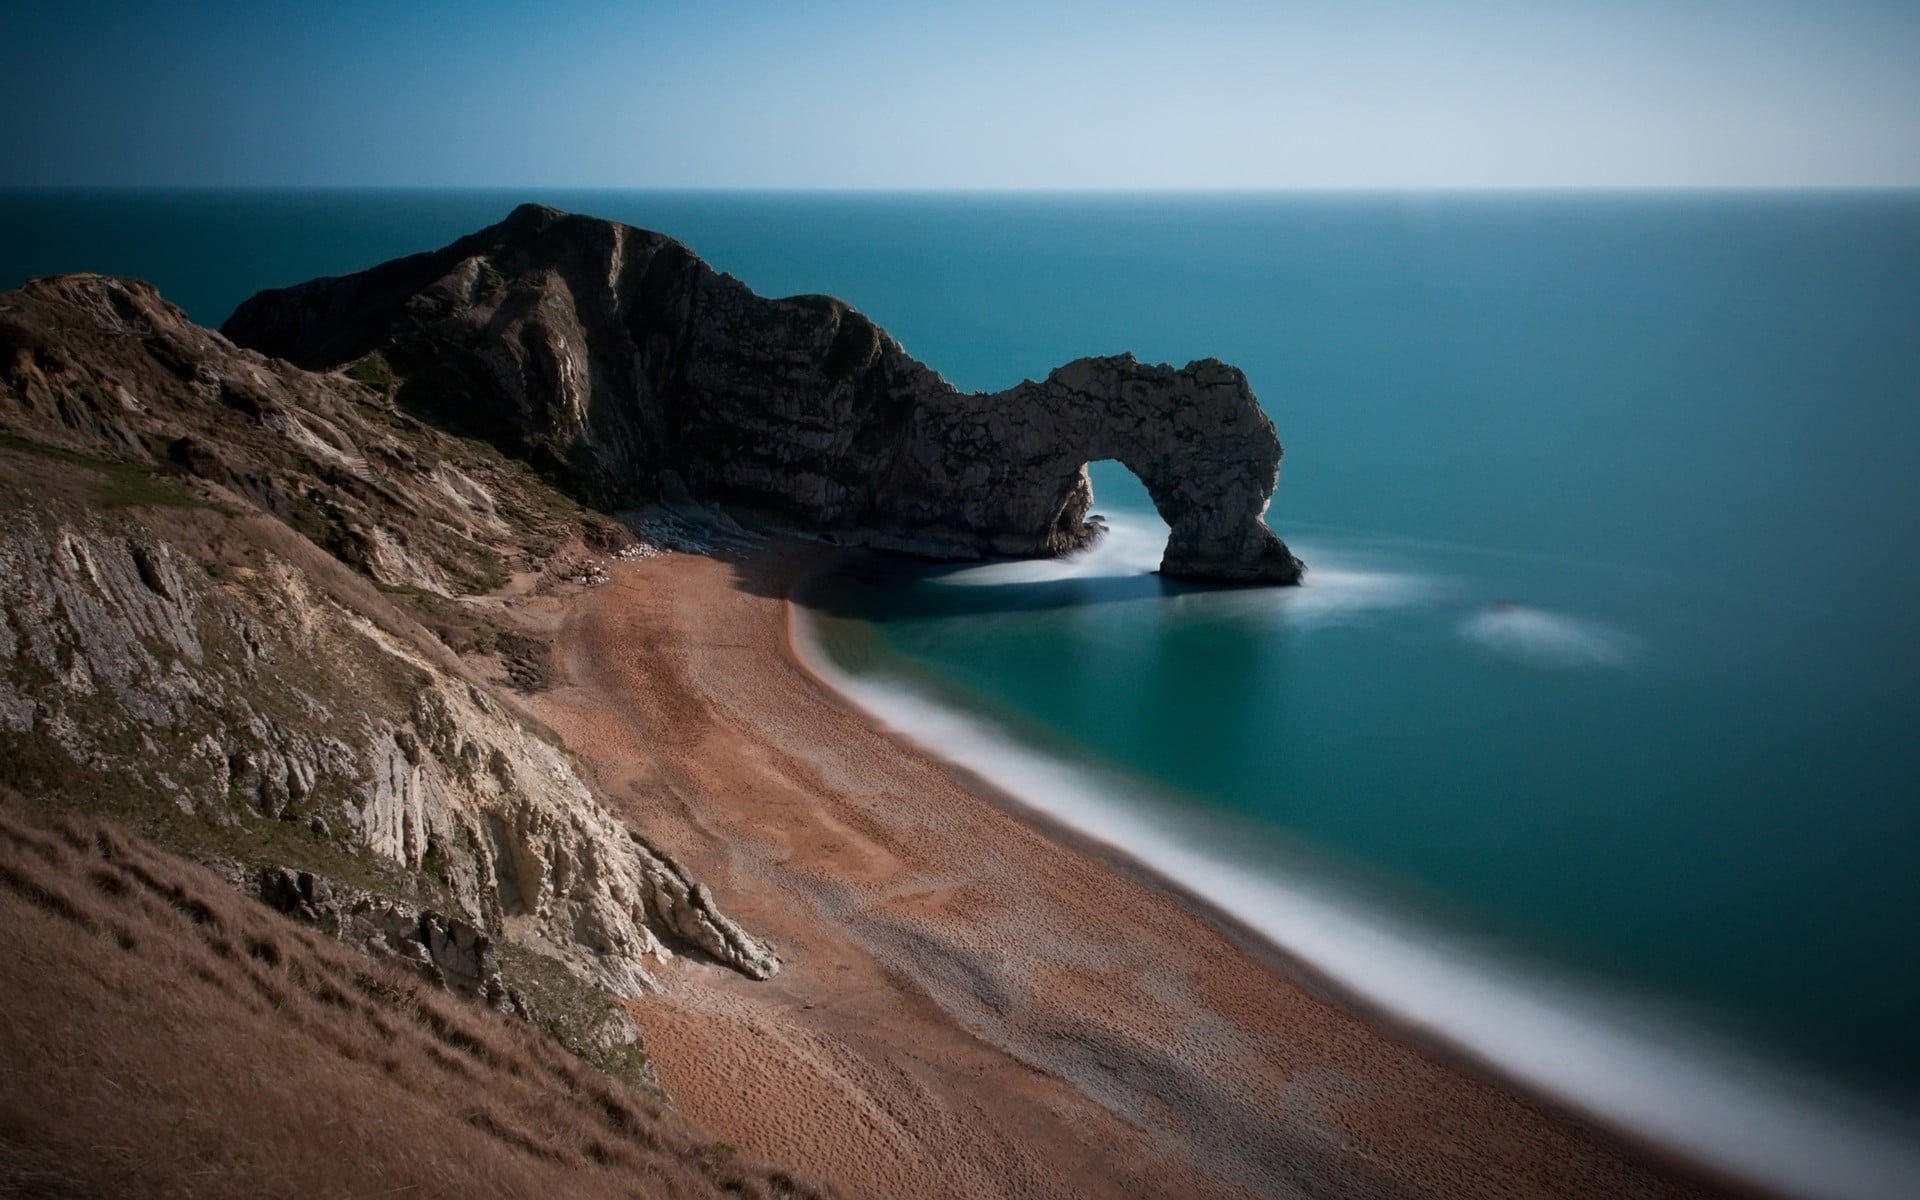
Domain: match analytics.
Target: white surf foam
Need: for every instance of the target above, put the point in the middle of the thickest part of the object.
(1622, 1059)
(1131, 546)
(1339, 589)
(1545, 639)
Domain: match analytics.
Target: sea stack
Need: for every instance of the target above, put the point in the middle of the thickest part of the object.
(624, 365)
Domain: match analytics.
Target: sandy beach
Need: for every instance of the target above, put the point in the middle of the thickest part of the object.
(970, 1005)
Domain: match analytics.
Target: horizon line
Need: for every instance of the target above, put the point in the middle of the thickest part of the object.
(985, 190)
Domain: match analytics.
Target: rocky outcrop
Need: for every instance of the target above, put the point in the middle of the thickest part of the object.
(448, 951)
(264, 700)
(616, 358)
(189, 639)
(107, 367)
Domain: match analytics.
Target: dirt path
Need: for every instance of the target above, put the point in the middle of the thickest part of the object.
(969, 1008)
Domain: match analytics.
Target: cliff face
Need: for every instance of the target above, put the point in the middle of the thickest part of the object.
(230, 596)
(616, 358)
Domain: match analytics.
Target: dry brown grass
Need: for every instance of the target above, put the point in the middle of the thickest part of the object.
(163, 1036)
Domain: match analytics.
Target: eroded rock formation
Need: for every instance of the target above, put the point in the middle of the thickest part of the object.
(620, 360)
(190, 637)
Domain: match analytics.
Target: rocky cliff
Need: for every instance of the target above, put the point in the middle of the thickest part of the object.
(232, 596)
(619, 361)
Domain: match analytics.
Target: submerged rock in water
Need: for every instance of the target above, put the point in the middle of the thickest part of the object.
(619, 360)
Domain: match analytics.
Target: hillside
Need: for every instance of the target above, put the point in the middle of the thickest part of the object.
(242, 628)
(167, 1037)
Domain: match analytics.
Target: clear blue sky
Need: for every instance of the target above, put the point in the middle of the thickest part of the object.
(989, 94)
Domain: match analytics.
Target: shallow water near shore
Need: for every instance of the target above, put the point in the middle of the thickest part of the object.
(1591, 735)
(1670, 1065)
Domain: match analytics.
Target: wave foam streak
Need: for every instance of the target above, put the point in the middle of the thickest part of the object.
(1545, 639)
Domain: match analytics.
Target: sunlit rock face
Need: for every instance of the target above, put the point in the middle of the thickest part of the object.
(208, 646)
(620, 361)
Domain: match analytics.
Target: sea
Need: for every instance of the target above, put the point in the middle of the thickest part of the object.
(1590, 747)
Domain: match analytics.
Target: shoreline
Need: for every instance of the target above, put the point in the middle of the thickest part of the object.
(1753, 1135)
(980, 999)
(1297, 968)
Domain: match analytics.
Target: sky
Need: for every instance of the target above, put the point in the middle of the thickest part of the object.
(995, 94)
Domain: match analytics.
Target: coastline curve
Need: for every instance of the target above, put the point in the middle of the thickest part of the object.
(1624, 1064)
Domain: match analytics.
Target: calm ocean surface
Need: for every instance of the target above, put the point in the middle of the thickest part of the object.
(1606, 668)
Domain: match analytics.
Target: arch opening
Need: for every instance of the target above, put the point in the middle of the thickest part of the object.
(1199, 527)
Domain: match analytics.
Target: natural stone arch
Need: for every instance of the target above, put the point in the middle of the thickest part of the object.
(618, 361)
(1195, 438)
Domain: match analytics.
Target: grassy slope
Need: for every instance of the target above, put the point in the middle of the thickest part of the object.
(166, 1037)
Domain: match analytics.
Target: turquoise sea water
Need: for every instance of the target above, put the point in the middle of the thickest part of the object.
(1606, 665)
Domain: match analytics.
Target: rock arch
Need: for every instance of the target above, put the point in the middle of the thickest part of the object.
(1013, 465)
(620, 362)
